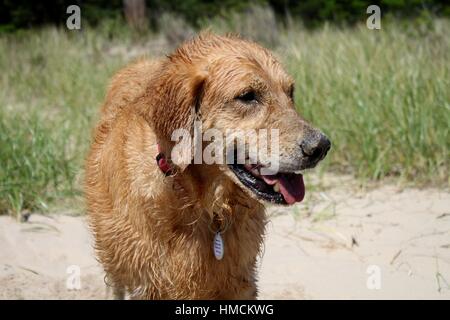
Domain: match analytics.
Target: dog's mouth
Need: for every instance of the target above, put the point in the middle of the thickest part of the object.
(282, 188)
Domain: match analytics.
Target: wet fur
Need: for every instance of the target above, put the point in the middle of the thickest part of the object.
(154, 234)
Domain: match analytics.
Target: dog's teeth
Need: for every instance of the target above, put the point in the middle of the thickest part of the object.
(276, 187)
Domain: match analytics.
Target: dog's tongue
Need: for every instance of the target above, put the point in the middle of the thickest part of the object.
(292, 186)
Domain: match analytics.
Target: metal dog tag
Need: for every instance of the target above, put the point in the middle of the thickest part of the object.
(218, 246)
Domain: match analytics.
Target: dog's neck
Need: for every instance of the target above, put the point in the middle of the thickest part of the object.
(204, 193)
(208, 191)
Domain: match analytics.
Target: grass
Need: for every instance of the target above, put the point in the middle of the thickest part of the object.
(382, 97)
(52, 85)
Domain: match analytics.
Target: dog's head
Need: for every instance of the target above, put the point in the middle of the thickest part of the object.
(244, 102)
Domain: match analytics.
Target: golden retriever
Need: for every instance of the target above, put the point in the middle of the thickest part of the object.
(166, 230)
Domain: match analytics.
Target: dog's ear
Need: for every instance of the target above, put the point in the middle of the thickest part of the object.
(182, 151)
(196, 86)
(177, 112)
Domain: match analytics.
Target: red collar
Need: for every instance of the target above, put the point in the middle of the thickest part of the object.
(162, 163)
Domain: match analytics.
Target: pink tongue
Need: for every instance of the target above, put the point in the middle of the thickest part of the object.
(291, 186)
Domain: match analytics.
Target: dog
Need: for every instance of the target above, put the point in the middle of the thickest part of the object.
(166, 230)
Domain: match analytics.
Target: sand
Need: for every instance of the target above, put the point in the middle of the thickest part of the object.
(342, 242)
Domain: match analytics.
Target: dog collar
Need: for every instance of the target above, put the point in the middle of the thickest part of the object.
(162, 163)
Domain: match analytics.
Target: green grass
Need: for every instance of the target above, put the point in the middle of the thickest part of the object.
(381, 96)
(35, 162)
(52, 85)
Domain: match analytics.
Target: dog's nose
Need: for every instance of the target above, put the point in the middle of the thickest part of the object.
(315, 147)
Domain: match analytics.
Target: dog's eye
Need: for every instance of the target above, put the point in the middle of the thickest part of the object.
(247, 97)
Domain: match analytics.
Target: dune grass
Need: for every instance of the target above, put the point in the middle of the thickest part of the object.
(52, 85)
(381, 96)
